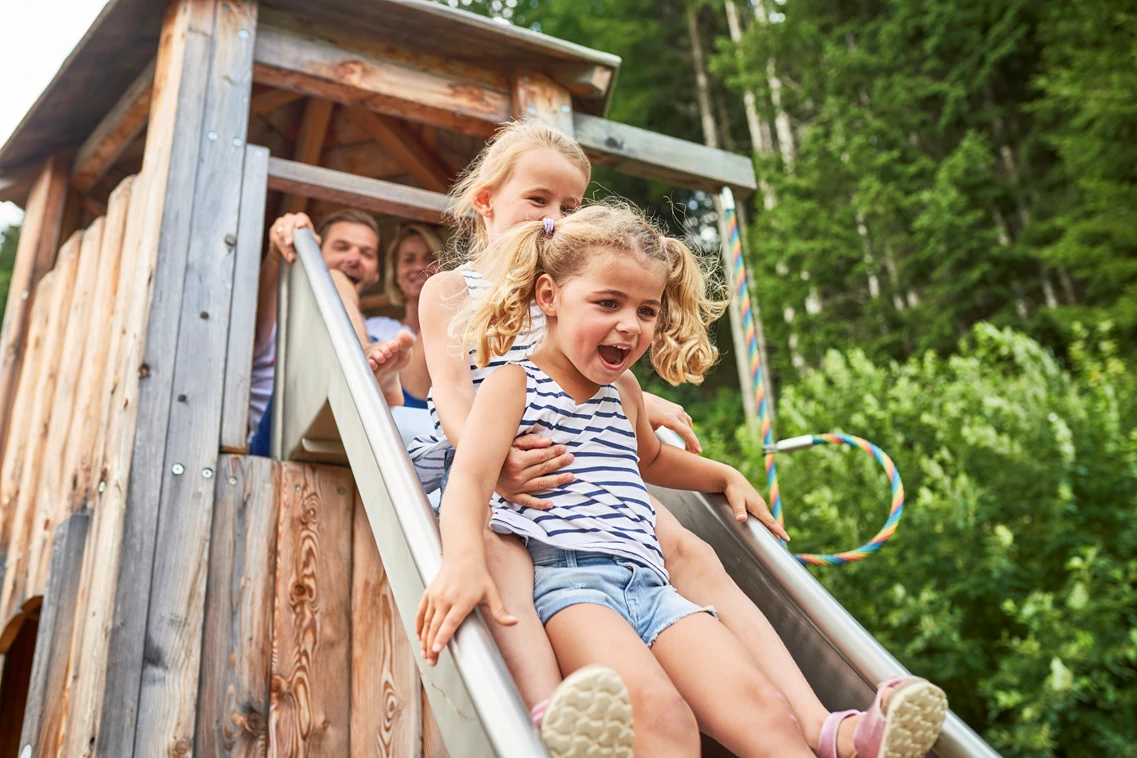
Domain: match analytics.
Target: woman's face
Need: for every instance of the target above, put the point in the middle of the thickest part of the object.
(353, 249)
(415, 263)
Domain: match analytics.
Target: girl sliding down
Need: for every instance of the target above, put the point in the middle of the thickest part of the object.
(609, 287)
(532, 171)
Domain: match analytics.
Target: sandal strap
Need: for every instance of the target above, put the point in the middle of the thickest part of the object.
(827, 741)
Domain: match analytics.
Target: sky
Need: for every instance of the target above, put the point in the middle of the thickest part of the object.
(38, 36)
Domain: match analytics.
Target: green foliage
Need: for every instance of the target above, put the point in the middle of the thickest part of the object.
(9, 238)
(1012, 580)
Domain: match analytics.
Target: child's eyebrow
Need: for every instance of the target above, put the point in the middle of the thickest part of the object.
(620, 294)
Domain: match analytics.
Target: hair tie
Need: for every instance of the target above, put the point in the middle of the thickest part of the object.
(549, 226)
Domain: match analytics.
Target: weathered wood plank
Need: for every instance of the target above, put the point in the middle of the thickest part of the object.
(136, 442)
(232, 716)
(537, 96)
(115, 132)
(50, 503)
(47, 707)
(15, 570)
(386, 695)
(311, 691)
(78, 459)
(20, 427)
(243, 312)
(654, 156)
(358, 192)
(35, 253)
(171, 659)
(432, 745)
(377, 81)
(405, 148)
(309, 143)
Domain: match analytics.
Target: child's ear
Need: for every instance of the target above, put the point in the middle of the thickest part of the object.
(545, 293)
(483, 202)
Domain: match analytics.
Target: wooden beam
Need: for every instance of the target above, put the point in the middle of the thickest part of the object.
(236, 665)
(537, 96)
(310, 143)
(115, 132)
(35, 254)
(46, 706)
(407, 150)
(243, 313)
(172, 639)
(271, 100)
(380, 80)
(639, 152)
(367, 159)
(373, 195)
(311, 637)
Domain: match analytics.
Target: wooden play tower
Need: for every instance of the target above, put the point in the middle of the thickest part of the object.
(163, 594)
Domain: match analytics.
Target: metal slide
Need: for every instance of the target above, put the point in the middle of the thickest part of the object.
(478, 710)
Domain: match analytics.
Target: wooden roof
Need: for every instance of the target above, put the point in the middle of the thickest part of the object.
(124, 38)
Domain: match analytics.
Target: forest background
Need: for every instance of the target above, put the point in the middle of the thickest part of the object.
(943, 254)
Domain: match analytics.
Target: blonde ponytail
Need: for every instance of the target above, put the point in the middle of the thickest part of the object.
(682, 350)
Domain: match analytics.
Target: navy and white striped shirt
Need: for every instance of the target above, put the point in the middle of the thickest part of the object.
(428, 453)
(606, 507)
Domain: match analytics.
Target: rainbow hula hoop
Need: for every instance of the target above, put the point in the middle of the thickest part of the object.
(742, 295)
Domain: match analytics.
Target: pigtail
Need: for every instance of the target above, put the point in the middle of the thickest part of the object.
(510, 266)
(682, 350)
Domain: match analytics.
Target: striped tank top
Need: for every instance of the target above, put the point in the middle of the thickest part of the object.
(606, 507)
(429, 453)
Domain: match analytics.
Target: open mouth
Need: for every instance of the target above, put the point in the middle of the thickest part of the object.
(613, 356)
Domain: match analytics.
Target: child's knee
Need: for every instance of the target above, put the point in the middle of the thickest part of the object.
(693, 557)
(660, 711)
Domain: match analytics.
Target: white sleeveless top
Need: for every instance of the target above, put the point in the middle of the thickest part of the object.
(429, 452)
(606, 507)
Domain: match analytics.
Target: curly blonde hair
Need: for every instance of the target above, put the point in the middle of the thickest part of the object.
(681, 350)
(495, 164)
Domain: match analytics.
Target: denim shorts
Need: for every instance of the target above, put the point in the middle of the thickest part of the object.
(563, 578)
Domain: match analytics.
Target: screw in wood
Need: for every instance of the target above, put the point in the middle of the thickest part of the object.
(212, 136)
(207, 473)
(232, 480)
(178, 469)
(565, 108)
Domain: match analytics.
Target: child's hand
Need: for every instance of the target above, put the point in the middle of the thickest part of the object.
(458, 588)
(743, 498)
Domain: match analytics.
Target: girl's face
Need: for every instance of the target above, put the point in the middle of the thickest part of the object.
(354, 250)
(544, 184)
(605, 316)
(415, 263)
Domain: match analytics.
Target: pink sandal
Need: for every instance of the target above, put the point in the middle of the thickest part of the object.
(916, 711)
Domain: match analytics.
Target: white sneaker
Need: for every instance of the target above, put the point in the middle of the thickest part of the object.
(589, 716)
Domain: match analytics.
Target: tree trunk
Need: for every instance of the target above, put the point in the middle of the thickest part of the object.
(781, 119)
(759, 130)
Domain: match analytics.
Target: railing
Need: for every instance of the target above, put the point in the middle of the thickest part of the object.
(474, 701)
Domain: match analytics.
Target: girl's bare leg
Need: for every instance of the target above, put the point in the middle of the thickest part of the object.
(699, 576)
(524, 646)
(665, 725)
(732, 699)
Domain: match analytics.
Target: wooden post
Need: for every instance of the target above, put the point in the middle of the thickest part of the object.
(115, 132)
(537, 96)
(313, 130)
(35, 254)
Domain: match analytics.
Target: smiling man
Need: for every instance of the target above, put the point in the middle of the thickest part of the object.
(349, 241)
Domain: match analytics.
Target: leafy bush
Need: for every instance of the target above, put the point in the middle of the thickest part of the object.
(1012, 580)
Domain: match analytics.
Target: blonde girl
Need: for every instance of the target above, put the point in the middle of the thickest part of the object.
(412, 258)
(532, 171)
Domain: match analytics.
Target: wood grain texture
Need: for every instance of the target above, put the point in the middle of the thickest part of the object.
(51, 505)
(537, 96)
(46, 704)
(171, 658)
(35, 254)
(136, 441)
(311, 690)
(358, 192)
(78, 460)
(243, 312)
(122, 124)
(386, 695)
(309, 144)
(271, 99)
(432, 745)
(378, 81)
(405, 147)
(16, 560)
(233, 703)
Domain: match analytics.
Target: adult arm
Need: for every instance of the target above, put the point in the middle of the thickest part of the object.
(280, 249)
